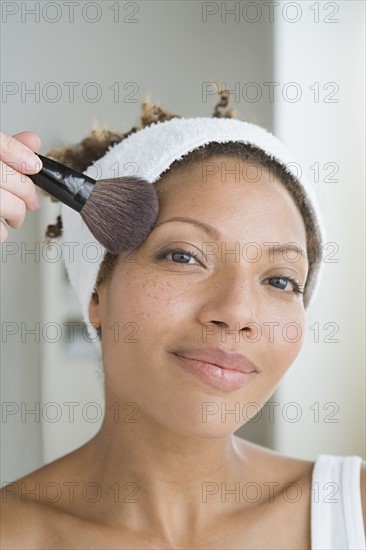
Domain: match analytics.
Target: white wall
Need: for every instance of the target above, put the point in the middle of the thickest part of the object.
(308, 52)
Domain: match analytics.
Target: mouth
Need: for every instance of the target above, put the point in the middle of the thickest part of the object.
(216, 376)
(219, 357)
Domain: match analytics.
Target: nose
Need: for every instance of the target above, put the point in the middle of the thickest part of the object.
(228, 303)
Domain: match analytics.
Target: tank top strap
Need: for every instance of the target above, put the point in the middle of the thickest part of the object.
(336, 506)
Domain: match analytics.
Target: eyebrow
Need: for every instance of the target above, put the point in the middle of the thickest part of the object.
(280, 248)
(211, 231)
(214, 234)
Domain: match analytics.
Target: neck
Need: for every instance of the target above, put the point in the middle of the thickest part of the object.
(167, 482)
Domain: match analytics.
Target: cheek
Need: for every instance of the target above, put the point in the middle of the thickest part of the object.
(281, 339)
(142, 302)
(284, 336)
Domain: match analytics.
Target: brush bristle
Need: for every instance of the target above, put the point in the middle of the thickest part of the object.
(121, 212)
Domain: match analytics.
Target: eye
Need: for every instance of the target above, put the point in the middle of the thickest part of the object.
(178, 254)
(282, 282)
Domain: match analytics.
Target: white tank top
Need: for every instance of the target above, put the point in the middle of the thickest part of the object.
(336, 506)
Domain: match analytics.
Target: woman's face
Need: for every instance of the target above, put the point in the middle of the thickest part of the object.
(235, 295)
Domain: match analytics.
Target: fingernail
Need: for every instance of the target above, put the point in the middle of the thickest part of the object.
(32, 161)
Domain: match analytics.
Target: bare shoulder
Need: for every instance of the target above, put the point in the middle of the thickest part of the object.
(363, 491)
(20, 523)
(25, 509)
(20, 509)
(281, 467)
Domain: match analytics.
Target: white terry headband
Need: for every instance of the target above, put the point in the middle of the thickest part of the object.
(148, 153)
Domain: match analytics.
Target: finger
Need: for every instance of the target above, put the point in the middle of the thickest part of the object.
(17, 155)
(30, 140)
(3, 232)
(33, 142)
(19, 185)
(12, 209)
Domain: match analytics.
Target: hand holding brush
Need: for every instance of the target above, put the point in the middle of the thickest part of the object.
(119, 212)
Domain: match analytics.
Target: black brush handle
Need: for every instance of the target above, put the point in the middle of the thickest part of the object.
(65, 184)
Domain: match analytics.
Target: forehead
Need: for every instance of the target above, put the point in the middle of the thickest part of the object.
(236, 197)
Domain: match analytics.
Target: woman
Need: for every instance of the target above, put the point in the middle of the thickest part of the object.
(166, 470)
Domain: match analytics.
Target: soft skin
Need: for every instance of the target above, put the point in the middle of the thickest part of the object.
(170, 449)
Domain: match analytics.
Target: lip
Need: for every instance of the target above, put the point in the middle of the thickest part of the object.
(220, 369)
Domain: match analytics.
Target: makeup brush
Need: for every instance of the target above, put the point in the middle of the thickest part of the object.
(120, 212)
